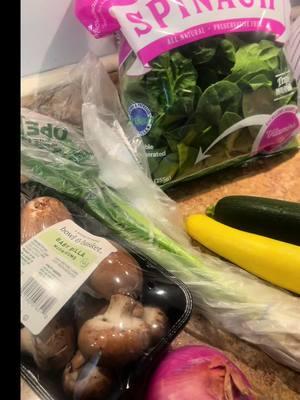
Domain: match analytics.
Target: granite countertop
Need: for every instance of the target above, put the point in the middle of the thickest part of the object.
(277, 177)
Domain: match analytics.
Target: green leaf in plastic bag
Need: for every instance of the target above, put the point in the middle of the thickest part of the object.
(256, 80)
(228, 119)
(225, 57)
(167, 168)
(259, 102)
(155, 156)
(207, 76)
(208, 136)
(187, 156)
(172, 79)
(201, 52)
(259, 81)
(254, 57)
(219, 98)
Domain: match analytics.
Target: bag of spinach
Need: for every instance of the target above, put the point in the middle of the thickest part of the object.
(205, 82)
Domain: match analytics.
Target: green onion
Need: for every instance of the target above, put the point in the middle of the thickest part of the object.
(232, 298)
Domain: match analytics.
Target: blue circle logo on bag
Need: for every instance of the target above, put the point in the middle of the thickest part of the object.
(141, 117)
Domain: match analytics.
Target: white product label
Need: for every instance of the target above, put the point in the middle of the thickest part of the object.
(54, 264)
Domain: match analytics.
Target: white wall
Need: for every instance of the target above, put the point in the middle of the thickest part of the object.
(52, 37)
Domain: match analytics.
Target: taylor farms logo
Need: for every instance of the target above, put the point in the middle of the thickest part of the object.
(141, 117)
(33, 129)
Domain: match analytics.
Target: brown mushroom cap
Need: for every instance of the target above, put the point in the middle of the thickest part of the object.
(119, 273)
(53, 348)
(40, 213)
(95, 384)
(158, 322)
(118, 336)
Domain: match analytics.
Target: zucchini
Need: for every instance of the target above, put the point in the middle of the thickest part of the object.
(272, 260)
(276, 219)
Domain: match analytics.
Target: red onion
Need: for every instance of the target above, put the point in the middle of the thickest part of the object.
(198, 373)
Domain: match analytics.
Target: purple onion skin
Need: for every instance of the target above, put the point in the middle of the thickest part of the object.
(198, 373)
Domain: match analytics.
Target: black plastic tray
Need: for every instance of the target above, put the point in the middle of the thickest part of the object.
(160, 289)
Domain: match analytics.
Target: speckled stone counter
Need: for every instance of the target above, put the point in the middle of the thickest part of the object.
(277, 177)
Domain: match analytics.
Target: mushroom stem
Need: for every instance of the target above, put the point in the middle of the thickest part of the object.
(118, 334)
(53, 348)
(120, 307)
(158, 322)
(86, 381)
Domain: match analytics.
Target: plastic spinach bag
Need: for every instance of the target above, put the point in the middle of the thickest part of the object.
(205, 83)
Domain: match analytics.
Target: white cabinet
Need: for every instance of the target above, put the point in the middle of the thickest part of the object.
(51, 37)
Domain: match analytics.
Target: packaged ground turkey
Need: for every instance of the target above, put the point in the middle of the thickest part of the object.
(205, 82)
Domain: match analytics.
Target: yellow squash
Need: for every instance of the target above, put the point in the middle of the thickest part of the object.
(272, 260)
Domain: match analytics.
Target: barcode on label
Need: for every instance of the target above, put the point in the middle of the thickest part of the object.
(36, 295)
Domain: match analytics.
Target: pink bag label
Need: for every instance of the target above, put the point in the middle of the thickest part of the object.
(152, 27)
(95, 16)
(124, 50)
(282, 126)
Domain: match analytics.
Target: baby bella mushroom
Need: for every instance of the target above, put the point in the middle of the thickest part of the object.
(86, 381)
(118, 273)
(40, 213)
(53, 348)
(87, 307)
(157, 321)
(117, 335)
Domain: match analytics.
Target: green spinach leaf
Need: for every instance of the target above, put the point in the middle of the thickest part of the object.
(168, 167)
(228, 119)
(217, 99)
(254, 57)
(173, 80)
(187, 156)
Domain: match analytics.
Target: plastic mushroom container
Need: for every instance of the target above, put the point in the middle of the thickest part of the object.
(103, 343)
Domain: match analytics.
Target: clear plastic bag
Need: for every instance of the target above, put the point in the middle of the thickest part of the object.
(110, 185)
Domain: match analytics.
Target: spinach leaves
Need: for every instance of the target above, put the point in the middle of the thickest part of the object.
(198, 91)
